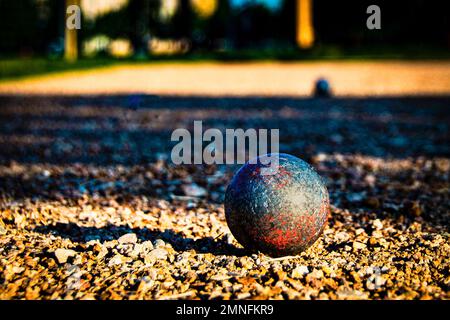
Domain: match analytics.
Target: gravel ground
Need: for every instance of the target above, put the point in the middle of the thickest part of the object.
(92, 208)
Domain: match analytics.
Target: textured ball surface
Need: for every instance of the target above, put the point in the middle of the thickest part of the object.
(279, 214)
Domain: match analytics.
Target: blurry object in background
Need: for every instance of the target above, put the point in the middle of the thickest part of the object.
(254, 26)
(96, 45)
(56, 48)
(168, 46)
(183, 20)
(167, 9)
(93, 9)
(71, 34)
(102, 44)
(305, 29)
(120, 48)
(141, 14)
(204, 8)
(234, 29)
(322, 88)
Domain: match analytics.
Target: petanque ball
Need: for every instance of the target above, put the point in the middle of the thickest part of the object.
(278, 214)
(322, 89)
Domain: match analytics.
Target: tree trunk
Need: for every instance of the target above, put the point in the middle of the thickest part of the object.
(71, 37)
(305, 28)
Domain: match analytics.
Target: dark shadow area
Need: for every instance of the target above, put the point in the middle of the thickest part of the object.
(136, 129)
(178, 241)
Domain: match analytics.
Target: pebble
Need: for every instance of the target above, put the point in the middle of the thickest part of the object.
(377, 224)
(342, 236)
(158, 243)
(157, 254)
(194, 190)
(373, 241)
(117, 260)
(358, 245)
(128, 238)
(317, 274)
(246, 262)
(375, 282)
(147, 245)
(355, 197)
(320, 157)
(348, 294)
(370, 179)
(299, 272)
(63, 254)
(102, 252)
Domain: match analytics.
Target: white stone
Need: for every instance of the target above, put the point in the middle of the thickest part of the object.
(300, 271)
(63, 254)
(128, 238)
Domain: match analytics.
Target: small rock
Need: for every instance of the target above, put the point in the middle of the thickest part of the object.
(377, 234)
(342, 236)
(370, 179)
(220, 277)
(102, 252)
(193, 190)
(348, 294)
(156, 254)
(229, 238)
(355, 197)
(358, 245)
(369, 270)
(136, 251)
(375, 282)
(18, 269)
(158, 243)
(63, 254)
(299, 272)
(128, 238)
(163, 204)
(243, 295)
(317, 274)
(118, 259)
(355, 276)
(110, 244)
(78, 260)
(377, 224)
(147, 246)
(373, 241)
(320, 157)
(246, 262)
(92, 238)
(191, 205)
(327, 270)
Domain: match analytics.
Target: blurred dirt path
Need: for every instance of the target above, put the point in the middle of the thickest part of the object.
(385, 78)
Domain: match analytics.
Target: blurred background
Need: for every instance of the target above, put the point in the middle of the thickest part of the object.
(145, 30)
